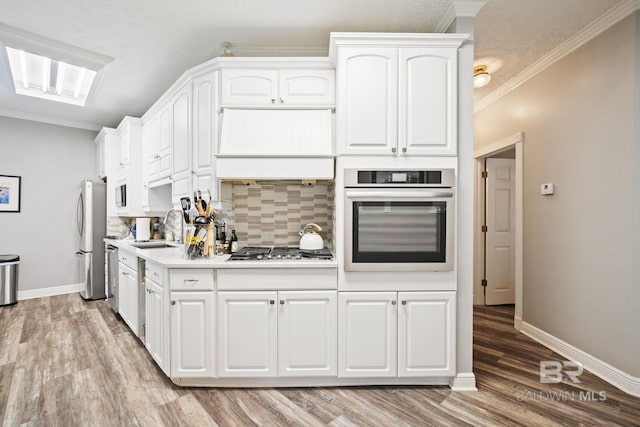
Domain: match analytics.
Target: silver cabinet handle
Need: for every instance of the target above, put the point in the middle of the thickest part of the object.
(271, 302)
(273, 100)
(124, 273)
(393, 302)
(393, 150)
(404, 149)
(404, 302)
(190, 281)
(281, 100)
(281, 302)
(173, 303)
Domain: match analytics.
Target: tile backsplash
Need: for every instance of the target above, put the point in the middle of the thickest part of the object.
(268, 214)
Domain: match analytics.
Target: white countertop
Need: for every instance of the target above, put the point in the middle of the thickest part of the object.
(175, 258)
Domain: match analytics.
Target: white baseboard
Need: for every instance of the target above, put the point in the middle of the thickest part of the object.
(463, 382)
(611, 374)
(47, 292)
(517, 323)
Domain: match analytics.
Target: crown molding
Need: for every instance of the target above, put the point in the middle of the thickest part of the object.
(468, 8)
(446, 19)
(601, 24)
(465, 8)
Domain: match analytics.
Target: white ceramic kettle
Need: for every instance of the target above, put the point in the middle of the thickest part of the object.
(310, 240)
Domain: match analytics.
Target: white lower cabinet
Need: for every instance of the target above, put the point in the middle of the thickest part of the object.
(307, 333)
(128, 297)
(367, 335)
(269, 334)
(404, 334)
(192, 347)
(156, 318)
(247, 334)
(426, 334)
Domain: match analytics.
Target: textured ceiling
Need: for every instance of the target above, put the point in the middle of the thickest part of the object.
(154, 42)
(510, 35)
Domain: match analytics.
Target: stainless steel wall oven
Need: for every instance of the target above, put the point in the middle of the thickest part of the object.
(399, 220)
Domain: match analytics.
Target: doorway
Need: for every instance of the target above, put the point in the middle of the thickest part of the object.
(498, 263)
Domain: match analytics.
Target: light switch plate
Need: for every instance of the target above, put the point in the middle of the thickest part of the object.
(547, 189)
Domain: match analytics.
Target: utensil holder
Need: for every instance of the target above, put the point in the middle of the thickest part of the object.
(194, 241)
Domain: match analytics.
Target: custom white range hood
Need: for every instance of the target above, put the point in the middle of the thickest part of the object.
(275, 144)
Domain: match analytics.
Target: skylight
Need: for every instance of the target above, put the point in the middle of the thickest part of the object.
(46, 78)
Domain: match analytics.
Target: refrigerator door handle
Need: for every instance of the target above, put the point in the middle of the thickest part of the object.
(80, 215)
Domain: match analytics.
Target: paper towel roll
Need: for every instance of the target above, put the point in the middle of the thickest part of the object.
(143, 228)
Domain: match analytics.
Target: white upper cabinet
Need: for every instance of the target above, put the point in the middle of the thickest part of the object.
(427, 107)
(181, 140)
(205, 132)
(249, 87)
(130, 165)
(278, 86)
(306, 87)
(367, 101)
(156, 137)
(397, 94)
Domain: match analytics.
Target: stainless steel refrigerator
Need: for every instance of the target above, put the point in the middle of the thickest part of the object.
(91, 223)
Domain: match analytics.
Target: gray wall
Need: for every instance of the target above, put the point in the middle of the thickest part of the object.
(52, 161)
(578, 118)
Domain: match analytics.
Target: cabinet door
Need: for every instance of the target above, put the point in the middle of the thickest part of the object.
(367, 334)
(192, 354)
(249, 87)
(154, 322)
(125, 146)
(150, 145)
(366, 118)
(426, 334)
(100, 158)
(427, 105)
(205, 131)
(165, 142)
(128, 297)
(247, 334)
(307, 333)
(181, 151)
(306, 87)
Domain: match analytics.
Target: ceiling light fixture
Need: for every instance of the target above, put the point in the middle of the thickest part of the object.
(226, 49)
(480, 76)
(48, 69)
(35, 75)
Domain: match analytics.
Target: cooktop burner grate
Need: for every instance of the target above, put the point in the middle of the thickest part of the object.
(279, 253)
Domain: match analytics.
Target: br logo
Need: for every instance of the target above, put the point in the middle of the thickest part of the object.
(552, 372)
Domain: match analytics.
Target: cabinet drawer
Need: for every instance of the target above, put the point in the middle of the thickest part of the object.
(277, 278)
(128, 259)
(155, 273)
(191, 279)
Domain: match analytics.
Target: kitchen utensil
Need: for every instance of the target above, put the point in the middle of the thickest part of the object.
(186, 207)
(310, 239)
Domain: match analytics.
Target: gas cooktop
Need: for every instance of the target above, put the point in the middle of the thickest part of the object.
(279, 253)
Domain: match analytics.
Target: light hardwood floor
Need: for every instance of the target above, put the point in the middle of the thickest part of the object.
(67, 362)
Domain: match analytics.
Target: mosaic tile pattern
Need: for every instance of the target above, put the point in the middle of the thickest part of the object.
(273, 214)
(118, 226)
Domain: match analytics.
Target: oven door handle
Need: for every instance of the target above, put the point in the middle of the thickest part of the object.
(420, 195)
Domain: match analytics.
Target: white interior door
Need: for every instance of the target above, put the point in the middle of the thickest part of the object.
(500, 236)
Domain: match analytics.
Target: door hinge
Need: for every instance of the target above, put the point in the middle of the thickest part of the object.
(484, 282)
(485, 174)
(484, 229)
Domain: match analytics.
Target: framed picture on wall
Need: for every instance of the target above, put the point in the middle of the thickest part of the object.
(10, 193)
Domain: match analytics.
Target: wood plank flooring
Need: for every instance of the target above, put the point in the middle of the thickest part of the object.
(67, 362)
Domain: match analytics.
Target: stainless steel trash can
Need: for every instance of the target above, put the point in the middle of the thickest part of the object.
(9, 279)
